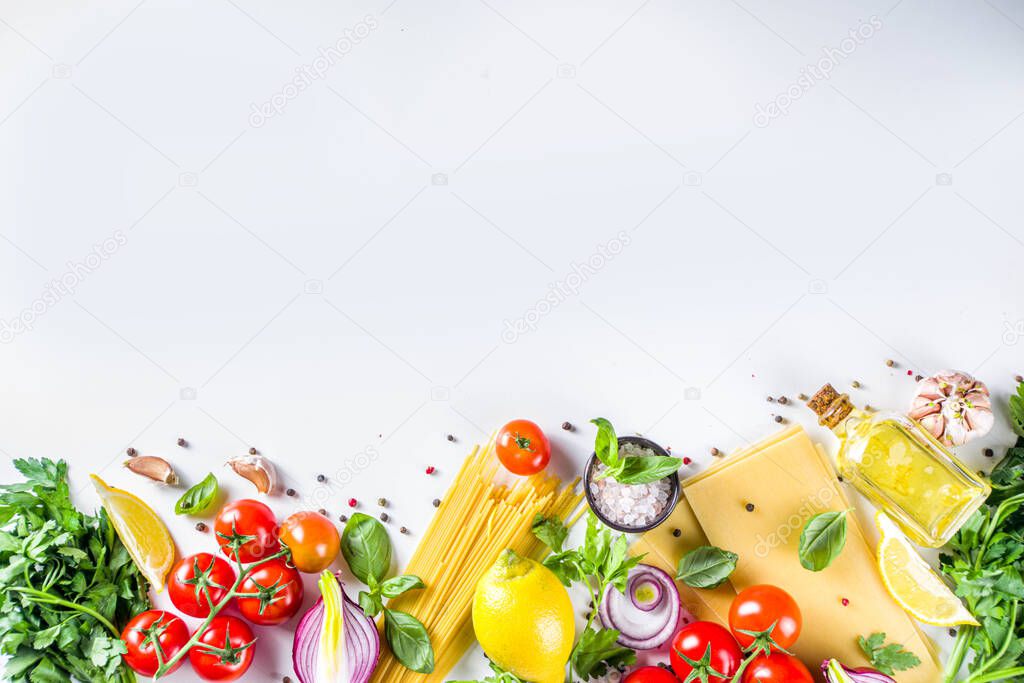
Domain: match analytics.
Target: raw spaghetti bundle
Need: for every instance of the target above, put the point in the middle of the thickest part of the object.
(476, 521)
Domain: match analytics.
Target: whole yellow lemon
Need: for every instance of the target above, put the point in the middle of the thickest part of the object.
(523, 619)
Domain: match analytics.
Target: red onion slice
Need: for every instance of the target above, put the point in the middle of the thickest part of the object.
(643, 628)
(639, 583)
(362, 642)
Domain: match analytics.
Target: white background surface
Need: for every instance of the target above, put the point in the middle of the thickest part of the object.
(321, 293)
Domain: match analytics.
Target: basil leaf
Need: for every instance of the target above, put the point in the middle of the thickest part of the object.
(367, 548)
(606, 445)
(409, 641)
(644, 469)
(198, 498)
(822, 540)
(706, 567)
(370, 603)
(397, 585)
(551, 531)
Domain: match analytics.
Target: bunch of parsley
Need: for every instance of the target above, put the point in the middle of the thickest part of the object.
(985, 561)
(67, 584)
(600, 562)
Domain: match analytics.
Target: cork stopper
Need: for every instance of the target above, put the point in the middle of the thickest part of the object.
(830, 406)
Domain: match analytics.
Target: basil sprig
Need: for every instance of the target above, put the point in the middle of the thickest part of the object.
(198, 498)
(822, 540)
(706, 567)
(367, 550)
(641, 469)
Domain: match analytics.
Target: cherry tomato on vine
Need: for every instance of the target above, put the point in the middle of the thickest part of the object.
(149, 631)
(756, 609)
(196, 577)
(523, 448)
(249, 527)
(224, 650)
(778, 667)
(707, 649)
(651, 674)
(273, 593)
(312, 539)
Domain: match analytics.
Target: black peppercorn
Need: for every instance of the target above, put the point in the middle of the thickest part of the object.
(450, 437)
(252, 451)
(182, 442)
(384, 517)
(677, 533)
(989, 452)
(342, 518)
(200, 526)
(567, 426)
(749, 507)
(321, 478)
(779, 418)
(322, 512)
(715, 452)
(290, 492)
(403, 530)
(437, 502)
(131, 452)
(783, 400)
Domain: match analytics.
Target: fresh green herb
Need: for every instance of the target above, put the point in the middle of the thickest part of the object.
(551, 531)
(706, 567)
(67, 584)
(199, 498)
(367, 549)
(822, 539)
(600, 562)
(1017, 410)
(985, 561)
(409, 641)
(886, 658)
(598, 650)
(629, 469)
(500, 676)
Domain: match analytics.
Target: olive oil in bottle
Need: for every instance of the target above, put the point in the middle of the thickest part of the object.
(900, 468)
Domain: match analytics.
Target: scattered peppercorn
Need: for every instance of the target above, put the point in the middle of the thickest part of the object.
(451, 437)
(182, 442)
(352, 502)
(286, 679)
(889, 362)
(988, 452)
(586, 617)
(436, 503)
(1018, 378)
(952, 633)
(342, 518)
(200, 526)
(715, 452)
(770, 399)
(322, 512)
(910, 372)
(783, 400)
(567, 426)
(383, 502)
(845, 602)
(252, 451)
(686, 461)
(403, 530)
(779, 418)
(802, 396)
(918, 378)
(855, 384)
(321, 478)
(290, 492)
(384, 517)
(131, 452)
(677, 532)
(840, 478)
(430, 469)
(749, 507)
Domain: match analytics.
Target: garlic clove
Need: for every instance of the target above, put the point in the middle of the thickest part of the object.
(154, 468)
(256, 469)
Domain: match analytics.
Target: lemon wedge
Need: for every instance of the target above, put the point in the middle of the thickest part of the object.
(912, 583)
(140, 529)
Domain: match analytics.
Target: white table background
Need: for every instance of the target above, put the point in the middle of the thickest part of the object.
(334, 284)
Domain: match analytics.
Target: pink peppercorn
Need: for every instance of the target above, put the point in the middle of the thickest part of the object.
(352, 502)
(845, 602)
(686, 461)
(430, 469)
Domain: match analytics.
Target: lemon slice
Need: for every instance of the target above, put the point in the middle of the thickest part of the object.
(912, 583)
(140, 529)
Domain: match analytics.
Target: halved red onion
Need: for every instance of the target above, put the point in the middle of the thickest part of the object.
(646, 627)
(362, 642)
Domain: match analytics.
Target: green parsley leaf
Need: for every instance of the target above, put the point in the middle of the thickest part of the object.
(886, 658)
(1017, 410)
(551, 531)
(598, 650)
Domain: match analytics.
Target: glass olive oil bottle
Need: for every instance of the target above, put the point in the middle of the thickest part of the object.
(900, 468)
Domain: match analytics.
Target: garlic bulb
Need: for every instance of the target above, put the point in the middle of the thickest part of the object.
(256, 469)
(953, 406)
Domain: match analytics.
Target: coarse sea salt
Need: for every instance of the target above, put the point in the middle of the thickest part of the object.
(630, 505)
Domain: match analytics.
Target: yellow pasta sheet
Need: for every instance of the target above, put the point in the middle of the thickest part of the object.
(788, 480)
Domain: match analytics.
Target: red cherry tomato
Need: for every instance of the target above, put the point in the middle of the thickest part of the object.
(148, 631)
(224, 651)
(757, 608)
(251, 526)
(523, 448)
(274, 593)
(196, 578)
(698, 639)
(778, 667)
(312, 539)
(651, 674)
